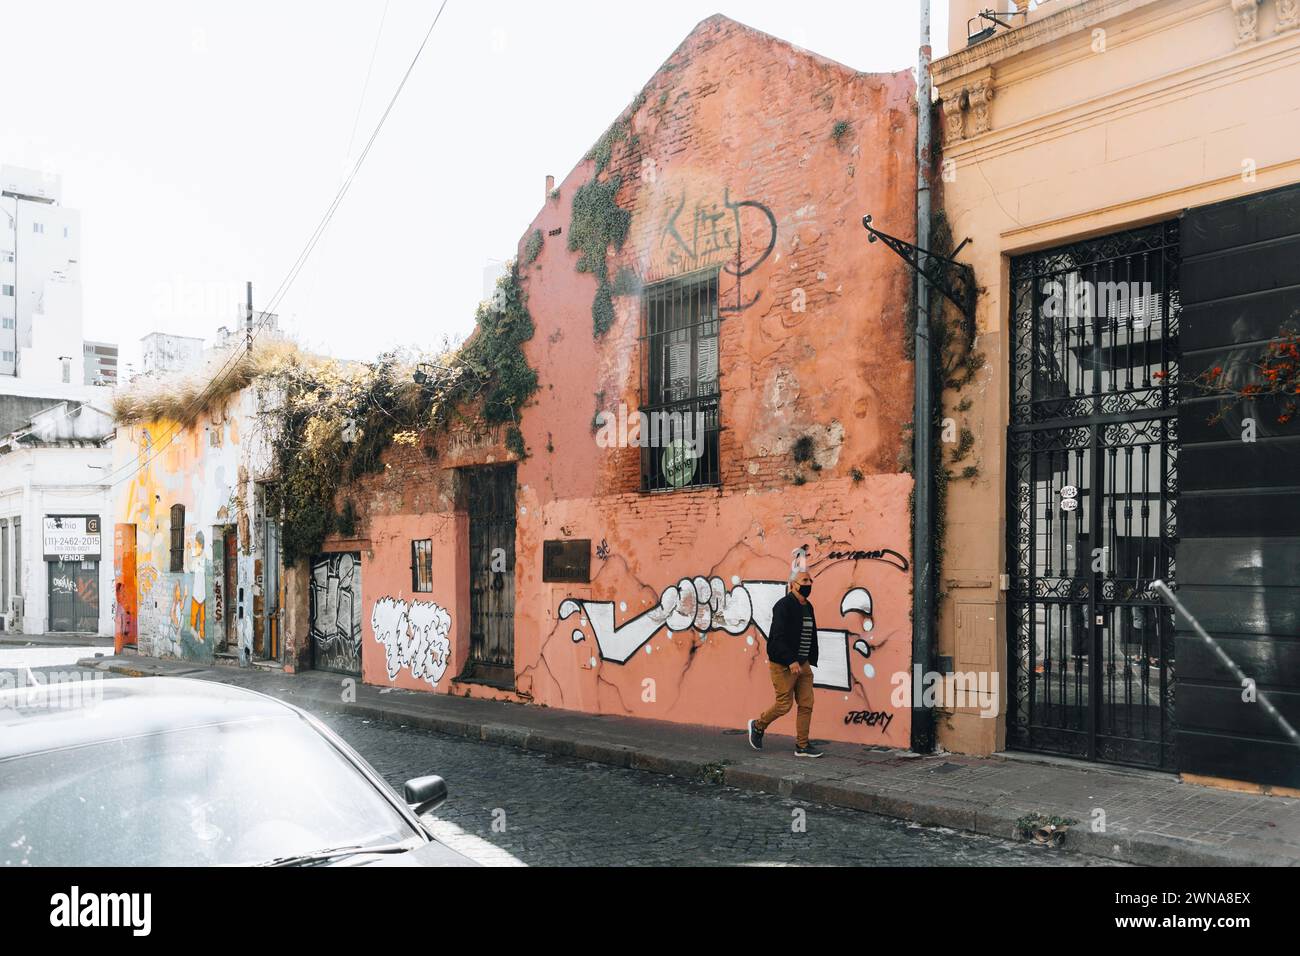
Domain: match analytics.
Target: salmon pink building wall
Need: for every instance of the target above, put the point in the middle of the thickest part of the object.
(751, 159)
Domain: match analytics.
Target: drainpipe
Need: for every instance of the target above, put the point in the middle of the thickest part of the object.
(923, 591)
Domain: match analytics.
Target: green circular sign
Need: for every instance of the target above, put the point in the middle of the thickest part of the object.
(677, 463)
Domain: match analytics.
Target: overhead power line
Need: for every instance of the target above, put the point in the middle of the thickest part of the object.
(227, 367)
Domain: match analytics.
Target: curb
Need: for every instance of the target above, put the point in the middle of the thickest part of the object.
(14, 639)
(1142, 849)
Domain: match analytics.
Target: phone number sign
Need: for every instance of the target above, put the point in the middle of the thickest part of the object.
(71, 537)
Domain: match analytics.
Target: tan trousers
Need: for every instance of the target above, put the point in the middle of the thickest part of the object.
(788, 686)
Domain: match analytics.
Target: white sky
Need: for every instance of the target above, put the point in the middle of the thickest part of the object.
(203, 141)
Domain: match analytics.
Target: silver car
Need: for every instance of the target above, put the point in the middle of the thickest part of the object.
(163, 771)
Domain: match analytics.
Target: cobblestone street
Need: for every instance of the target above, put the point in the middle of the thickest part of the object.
(561, 811)
(568, 812)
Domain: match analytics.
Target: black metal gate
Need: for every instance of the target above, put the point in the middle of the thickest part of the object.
(1092, 497)
(491, 499)
(74, 595)
(335, 613)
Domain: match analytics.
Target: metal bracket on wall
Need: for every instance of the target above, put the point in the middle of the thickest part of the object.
(955, 280)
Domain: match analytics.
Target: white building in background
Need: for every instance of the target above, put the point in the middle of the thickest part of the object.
(101, 363)
(55, 422)
(56, 532)
(266, 325)
(41, 322)
(162, 353)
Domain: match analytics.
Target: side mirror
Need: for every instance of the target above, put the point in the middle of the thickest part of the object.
(423, 794)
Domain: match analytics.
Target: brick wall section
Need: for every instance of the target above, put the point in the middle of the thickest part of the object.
(778, 150)
(735, 115)
(737, 126)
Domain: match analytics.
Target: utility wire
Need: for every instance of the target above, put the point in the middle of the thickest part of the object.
(295, 269)
(356, 118)
(352, 138)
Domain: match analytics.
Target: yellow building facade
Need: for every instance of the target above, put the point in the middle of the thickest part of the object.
(1145, 147)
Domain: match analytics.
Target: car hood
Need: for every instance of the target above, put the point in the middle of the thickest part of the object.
(431, 854)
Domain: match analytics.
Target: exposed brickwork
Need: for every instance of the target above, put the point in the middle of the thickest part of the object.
(729, 161)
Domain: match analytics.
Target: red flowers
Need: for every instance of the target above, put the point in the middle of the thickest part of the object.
(1276, 372)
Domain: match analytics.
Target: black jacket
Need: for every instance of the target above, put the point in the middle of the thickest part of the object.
(787, 628)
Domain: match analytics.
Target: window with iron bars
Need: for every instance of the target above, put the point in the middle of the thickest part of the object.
(422, 565)
(680, 395)
(177, 564)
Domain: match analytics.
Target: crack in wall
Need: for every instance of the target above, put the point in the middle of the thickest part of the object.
(541, 660)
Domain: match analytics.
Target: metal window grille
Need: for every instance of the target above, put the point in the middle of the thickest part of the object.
(422, 565)
(680, 394)
(178, 539)
(1094, 416)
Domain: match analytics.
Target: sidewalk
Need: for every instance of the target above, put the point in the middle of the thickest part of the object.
(1151, 819)
(17, 639)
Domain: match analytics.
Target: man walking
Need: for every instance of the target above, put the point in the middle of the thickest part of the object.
(791, 654)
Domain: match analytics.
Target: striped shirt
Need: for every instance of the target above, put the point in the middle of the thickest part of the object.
(806, 636)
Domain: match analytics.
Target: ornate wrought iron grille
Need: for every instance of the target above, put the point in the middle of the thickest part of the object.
(1094, 404)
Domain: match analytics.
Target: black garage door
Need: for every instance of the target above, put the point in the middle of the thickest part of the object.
(1239, 557)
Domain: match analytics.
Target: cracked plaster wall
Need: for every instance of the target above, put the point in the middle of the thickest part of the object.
(734, 117)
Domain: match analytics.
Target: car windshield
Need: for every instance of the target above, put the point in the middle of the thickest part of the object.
(233, 793)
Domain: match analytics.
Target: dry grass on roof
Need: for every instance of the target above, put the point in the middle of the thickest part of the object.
(185, 397)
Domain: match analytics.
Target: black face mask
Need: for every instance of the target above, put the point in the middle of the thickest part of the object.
(805, 589)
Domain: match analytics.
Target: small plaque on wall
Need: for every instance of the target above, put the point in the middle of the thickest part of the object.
(567, 561)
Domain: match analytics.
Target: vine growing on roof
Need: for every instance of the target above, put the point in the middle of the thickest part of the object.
(331, 422)
(598, 222)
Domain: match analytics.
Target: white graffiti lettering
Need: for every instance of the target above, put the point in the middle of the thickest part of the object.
(705, 604)
(414, 636)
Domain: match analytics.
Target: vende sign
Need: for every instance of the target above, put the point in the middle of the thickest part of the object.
(71, 537)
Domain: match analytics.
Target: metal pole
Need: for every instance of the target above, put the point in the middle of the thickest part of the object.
(248, 321)
(922, 429)
(17, 300)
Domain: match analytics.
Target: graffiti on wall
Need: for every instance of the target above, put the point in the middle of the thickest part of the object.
(198, 588)
(335, 599)
(147, 575)
(872, 718)
(170, 626)
(739, 236)
(887, 555)
(180, 622)
(702, 605)
(415, 636)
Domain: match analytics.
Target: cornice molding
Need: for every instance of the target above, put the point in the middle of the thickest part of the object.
(1278, 52)
(1036, 33)
(1026, 236)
